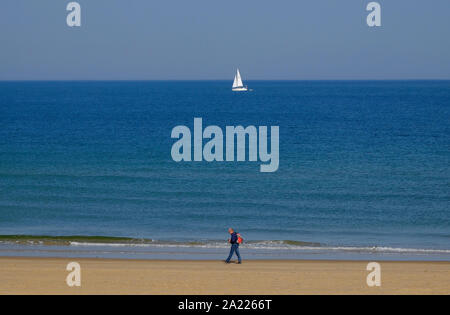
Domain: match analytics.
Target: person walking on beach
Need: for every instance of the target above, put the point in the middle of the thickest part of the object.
(234, 240)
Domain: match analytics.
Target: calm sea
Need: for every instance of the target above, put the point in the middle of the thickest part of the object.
(364, 166)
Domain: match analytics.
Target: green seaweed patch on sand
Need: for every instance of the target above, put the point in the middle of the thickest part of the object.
(300, 243)
(66, 240)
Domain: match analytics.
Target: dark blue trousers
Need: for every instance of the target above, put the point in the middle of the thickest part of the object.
(234, 249)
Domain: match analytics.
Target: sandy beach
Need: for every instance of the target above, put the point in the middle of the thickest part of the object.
(101, 276)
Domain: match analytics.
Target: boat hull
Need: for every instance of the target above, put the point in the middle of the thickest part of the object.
(240, 89)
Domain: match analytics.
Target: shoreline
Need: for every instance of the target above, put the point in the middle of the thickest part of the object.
(263, 260)
(213, 253)
(220, 260)
(38, 275)
(149, 249)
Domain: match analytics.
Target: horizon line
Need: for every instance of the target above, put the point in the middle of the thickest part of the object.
(199, 80)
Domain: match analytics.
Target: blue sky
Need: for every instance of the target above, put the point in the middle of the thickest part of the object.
(208, 39)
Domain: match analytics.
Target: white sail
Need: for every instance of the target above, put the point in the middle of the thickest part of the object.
(237, 83)
(239, 79)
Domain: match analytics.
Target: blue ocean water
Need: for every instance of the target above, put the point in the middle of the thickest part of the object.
(362, 163)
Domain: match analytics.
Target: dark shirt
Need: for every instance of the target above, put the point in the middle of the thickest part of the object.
(234, 238)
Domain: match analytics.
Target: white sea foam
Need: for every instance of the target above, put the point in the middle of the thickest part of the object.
(273, 245)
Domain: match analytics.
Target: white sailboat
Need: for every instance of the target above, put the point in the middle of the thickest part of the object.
(238, 86)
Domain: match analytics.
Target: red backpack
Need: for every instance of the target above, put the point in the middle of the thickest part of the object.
(240, 239)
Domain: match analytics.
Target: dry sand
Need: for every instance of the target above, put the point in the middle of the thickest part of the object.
(101, 276)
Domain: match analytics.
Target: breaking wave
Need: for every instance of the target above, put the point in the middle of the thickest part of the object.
(106, 241)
